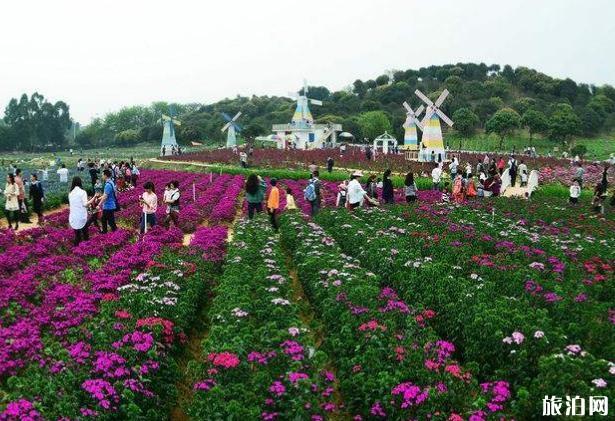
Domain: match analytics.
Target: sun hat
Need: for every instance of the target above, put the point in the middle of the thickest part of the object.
(357, 173)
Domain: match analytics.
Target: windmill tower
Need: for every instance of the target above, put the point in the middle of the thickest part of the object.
(411, 140)
(432, 132)
(303, 116)
(168, 133)
(231, 128)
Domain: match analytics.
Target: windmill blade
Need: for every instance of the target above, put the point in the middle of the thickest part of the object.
(419, 125)
(423, 97)
(444, 117)
(419, 110)
(226, 116)
(294, 95)
(442, 97)
(315, 101)
(428, 113)
(236, 116)
(165, 117)
(226, 126)
(237, 127)
(176, 122)
(407, 107)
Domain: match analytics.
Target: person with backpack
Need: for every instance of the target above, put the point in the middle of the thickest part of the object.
(37, 195)
(255, 193)
(171, 199)
(312, 193)
(512, 170)
(108, 202)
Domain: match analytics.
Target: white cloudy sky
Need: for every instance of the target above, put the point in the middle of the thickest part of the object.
(101, 55)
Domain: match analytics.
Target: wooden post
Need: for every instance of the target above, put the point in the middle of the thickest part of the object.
(211, 176)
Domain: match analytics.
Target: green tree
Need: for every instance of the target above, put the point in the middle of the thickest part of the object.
(503, 123)
(535, 121)
(563, 123)
(465, 121)
(374, 123)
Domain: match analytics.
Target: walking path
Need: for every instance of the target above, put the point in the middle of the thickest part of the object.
(33, 219)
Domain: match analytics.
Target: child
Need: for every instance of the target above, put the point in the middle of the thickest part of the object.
(523, 177)
(290, 200)
(342, 189)
(445, 197)
(575, 192)
(273, 204)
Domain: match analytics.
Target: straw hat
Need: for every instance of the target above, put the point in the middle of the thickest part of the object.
(357, 173)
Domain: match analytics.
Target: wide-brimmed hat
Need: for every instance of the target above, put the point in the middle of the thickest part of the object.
(357, 173)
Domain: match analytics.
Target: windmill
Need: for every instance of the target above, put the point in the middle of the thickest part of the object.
(168, 133)
(412, 122)
(231, 128)
(432, 132)
(303, 116)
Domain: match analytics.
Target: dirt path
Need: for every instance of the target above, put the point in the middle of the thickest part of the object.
(33, 219)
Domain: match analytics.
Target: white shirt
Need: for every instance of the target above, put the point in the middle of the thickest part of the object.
(355, 191)
(63, 173)
(575, 191)
(78, 214)
(436, 173)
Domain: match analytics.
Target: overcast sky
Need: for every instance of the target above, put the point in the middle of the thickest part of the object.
(100, 56)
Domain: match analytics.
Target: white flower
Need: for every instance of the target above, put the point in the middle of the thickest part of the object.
(280, 301)
(539, 334)
(599, 383)
(237, 312)
(293, 331)
(273, 289)
(474, 276)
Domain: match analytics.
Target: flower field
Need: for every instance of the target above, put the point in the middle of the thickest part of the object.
(421, 311)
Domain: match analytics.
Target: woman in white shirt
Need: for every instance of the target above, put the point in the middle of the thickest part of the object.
(11, 204)
(78, 211)
(356, 194)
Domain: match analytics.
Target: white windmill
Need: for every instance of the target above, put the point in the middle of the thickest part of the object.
(303, 116)
(168, 133)
(432, 143)
(231, 128)
(411, 140)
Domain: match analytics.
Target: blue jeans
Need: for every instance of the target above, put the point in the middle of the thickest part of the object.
(314, 207)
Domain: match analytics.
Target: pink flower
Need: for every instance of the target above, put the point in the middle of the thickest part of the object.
(518, 337)
(599, 383)
(224, 359)
(277, 388)
(539, 334)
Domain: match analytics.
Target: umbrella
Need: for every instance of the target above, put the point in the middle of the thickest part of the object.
(346, 134)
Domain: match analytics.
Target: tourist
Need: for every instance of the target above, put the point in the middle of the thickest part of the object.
(468, 172)
(21, 197)
(486, 162)
(458, 188)
(163, 152)
(149, 203)
(388, 193)
(492, 169)
(436, 176)
(63, 174)
(523, 175)
(579, 173)
(290, 200)
(372, 187)
(78, 212)
(598, 199)
(80, 165)
(445, 194)
(470, 187)
(108, 202)
(312, 193)
(94, 212)
(135, 174)
(243, 159)
(37, 195)
(512, 170)
(410, 188)
(93, 174)
(313, 168)
(342, 191)
(575, 192)
(255, 193)
(479, 167)
(11, 203)
(356, 194)
(500, 165)
(330, 163)
(273, 203)
(433, 156)
(171, 200)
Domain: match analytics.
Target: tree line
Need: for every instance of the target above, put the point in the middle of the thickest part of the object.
(485, 98)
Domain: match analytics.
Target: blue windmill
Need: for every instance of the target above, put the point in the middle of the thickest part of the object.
(231, 128)
(168, 133)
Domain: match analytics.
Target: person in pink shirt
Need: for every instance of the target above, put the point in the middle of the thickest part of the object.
(149, 204)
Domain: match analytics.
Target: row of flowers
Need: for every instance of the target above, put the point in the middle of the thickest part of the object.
(390, 362)
(474, 279)
(259, 359)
